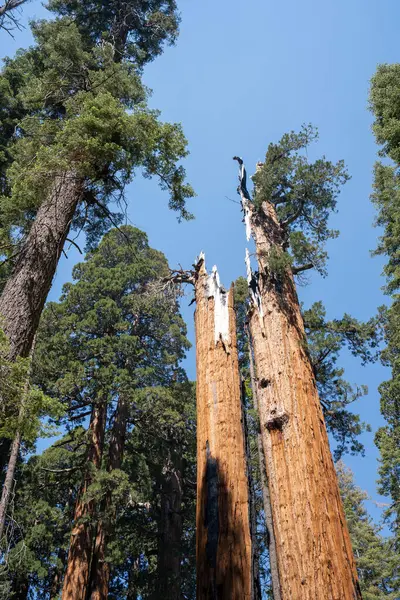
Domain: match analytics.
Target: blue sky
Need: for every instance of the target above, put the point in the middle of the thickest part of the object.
(242, 74)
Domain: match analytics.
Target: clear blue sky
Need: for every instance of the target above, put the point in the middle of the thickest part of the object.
(241, 74)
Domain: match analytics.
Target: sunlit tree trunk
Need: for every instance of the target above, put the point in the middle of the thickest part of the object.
(26, 290)
(271, 544)
(315, 557)
(76, 579)
(224, 549)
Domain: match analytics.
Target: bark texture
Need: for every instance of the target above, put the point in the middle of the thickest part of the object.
(170, 531)
(76, 580)
(224, 549)
(314, 551)
(26, 290)
(100, 568)
(269, 522)
(9, 482)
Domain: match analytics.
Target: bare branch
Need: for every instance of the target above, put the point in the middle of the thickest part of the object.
(302, 268)
(8, 21)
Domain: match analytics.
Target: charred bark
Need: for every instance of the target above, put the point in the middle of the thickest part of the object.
(76, 579)
(26, 290)
(315, 557)
(100, 569)
(224, 549)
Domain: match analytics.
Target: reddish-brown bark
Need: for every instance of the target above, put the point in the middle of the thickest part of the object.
(100, 569)
(315, 557)
(76, 578)
(224, 569)
(269, 523)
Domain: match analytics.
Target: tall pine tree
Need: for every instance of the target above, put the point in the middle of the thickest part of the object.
(385, 105)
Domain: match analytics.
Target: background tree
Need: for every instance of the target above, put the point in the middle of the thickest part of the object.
(377, 561)
(385, 96)
(113, 334)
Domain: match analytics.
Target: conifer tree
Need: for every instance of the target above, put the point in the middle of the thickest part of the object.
(110, 336)
(385, 95)
(325, 340)
(377, 561)
(288, 219)
(79, 130)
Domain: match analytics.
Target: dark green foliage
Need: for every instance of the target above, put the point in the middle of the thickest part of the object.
(377, 561)
(304, 195)
(136, 30)
(69, 103)
(325, 340)
(112, 332)
(116, 331)
(385, 105)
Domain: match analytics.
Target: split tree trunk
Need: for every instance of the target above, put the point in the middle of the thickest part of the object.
(224, 549)
(76, 580)
(170, 532)
(314, 551)
(100, 569)
(26, 290)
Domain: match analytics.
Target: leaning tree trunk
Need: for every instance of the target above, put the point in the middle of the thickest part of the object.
(224, 549)
(26, 290)
(313, 545)
(100, 569)
(170, 531)
(76, 580)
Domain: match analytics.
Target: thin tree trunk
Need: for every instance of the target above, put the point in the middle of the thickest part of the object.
(224, 549)
(76, 580)
(9, 482)
(26, 290)
(170, 531)
(255, 559)
(20, 589)
(100, 570)
(15, 446)
(271, 543)
(58, 571)
(315, 557)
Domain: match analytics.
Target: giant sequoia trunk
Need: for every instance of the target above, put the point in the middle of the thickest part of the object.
(26, 290)
(269, 522)
(314, 551)
(76, 579)
(100, 569)
(224, 549)
(170, 531)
